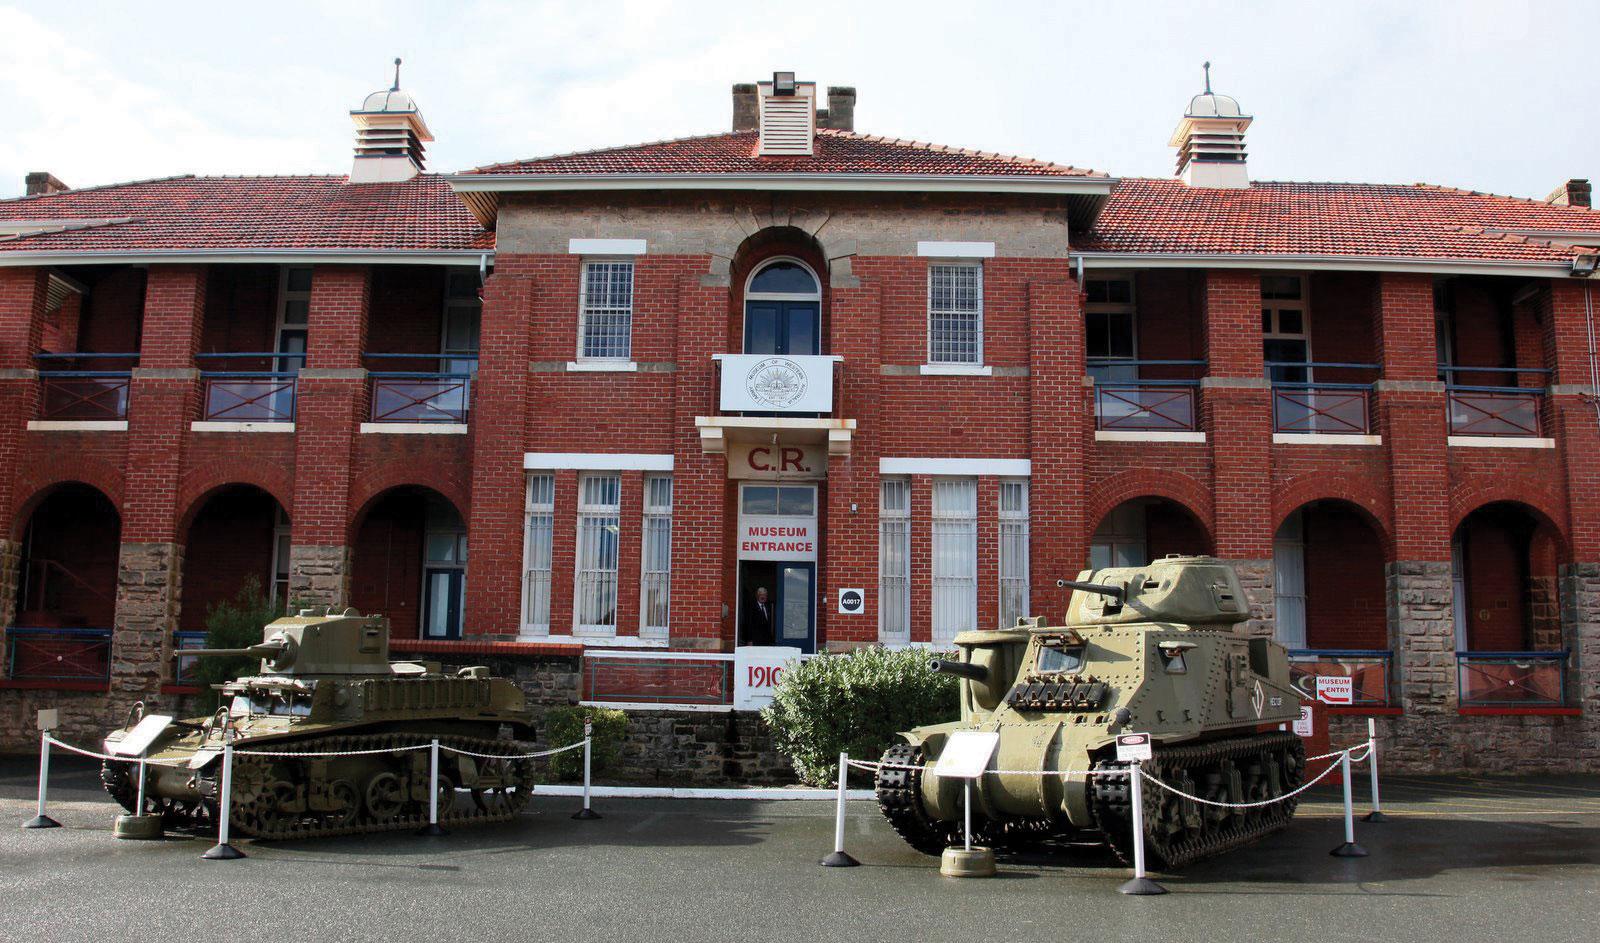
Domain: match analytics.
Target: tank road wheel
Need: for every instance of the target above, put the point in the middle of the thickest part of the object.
(900, 799)
(275, 808)
(348, 799)
(386, 797)
(118, 783)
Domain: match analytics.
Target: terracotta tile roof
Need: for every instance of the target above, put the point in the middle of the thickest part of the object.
(1346, 219)
(223, 213)
(836, 152)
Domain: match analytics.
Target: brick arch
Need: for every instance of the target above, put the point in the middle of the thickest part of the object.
(197, 487)
(1540, 504)
(374, 483)
(1313, 488)
(37, 481)
(1176, 487)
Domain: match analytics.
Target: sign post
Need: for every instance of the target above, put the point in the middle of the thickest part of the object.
(966, 756)
(48, 721)
(840, 858)
(1134, 749)
(433, 827)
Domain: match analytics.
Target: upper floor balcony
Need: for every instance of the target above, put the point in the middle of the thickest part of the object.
(420, 388)
(1329, 398)
(251, 386)
(84, 387)
(1146, 395)
(1500, 402)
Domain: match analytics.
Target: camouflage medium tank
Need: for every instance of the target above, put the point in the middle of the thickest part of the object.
(326, 685)
(1147, 649)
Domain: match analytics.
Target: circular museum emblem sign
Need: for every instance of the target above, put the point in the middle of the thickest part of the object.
(776, 382)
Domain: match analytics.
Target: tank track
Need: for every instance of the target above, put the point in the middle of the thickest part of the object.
(1178, 831)
(899, 794)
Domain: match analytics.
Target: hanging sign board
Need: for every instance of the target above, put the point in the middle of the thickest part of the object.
(776, 537)
(966, 754)
(776, 383)
(1132, 747)
(1336, 689)
(762, 462)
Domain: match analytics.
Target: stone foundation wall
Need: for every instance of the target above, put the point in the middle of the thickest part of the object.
(319, 576)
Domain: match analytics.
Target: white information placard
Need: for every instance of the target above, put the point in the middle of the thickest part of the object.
(1336, 690)
(1132, 747)
(777, 383)
(1303, 727)
(966, 754)
(141, 736)
(49, 719)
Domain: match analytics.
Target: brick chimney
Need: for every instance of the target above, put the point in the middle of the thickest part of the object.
(746, 107)
(41, 182)
(840, 114)
(1575, 192)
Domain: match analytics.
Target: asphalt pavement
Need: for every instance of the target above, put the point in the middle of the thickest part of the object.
(1462, 859)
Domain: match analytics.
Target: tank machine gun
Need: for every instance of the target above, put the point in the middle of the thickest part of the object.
(1150, 649)
(325, 684)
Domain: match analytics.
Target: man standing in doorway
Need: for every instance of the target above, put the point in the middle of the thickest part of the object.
(758, 620)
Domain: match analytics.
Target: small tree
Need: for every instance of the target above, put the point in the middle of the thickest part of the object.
(855, 703)
(233, 623)
(564, 725)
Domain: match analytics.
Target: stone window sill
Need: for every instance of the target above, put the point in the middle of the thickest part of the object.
(1136, 435)
(77, 425)
(1498, 442)
(413, 428)
(955, 370)
(602, 366)
(218, 426)
(1324, 438)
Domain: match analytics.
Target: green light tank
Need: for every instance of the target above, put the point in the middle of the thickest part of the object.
(1147, 649)
(326, 685)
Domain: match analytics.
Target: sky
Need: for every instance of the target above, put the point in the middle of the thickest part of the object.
(1495, 96)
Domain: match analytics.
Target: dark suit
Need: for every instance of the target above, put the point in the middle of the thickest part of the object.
(756, 627)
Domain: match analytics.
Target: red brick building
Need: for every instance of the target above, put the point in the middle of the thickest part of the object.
(596, 403)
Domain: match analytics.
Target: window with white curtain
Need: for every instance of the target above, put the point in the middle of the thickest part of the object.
(656, 558)
(538, 527)
(894, 560)
(955, 557)
(605, 322)
(955, 314)
(1289, 582)
(1013, 551)
(599, 524)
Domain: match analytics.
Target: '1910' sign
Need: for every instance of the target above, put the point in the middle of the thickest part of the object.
(757, 669)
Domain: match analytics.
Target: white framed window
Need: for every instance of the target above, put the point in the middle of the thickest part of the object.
(280, 558)
(1120, 540)
(605, 310)
(955, 313)
(955, 557)
(1286, 327)
(599, 525)
(1013, 551)
(1289, 582)
(655, 560)
(894, 560)
(539, 521)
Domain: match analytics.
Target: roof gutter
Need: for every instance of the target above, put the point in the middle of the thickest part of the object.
(1342, 263)
(249, 256)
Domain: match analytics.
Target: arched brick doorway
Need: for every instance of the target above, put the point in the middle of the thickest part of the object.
(1147, 528)
(410, 562)
(239, 534)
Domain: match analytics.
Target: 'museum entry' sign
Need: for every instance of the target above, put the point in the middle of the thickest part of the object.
(778, 538)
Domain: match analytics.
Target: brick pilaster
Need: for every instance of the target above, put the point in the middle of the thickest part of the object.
(1061, 422)
(850, 542)
(1410, 413)
(699, 481)
(330, 399)
(22, 302)
(164, 397)
(1236, 414)
(499, 418)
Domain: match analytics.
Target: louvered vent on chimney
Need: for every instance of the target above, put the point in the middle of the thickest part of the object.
(390, 133)
(788, 116)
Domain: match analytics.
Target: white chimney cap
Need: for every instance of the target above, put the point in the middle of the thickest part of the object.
(391, 100)
(1210, 105)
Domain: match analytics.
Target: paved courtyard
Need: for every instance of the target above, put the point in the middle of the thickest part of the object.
(1464, 858)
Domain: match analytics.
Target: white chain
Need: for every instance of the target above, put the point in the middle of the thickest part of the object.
(1241, 805)
(863, 764)
(281, 753)
(515, 756)
(296, 753)
(99, 756)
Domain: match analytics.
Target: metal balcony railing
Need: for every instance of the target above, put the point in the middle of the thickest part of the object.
(1145, 395)
(1370, 669)
(1303, 404)
(1512, 679)
(84, 386)
(266, 394)
(55, 654)
(422, 395)
(619, 677)
(1511, 411)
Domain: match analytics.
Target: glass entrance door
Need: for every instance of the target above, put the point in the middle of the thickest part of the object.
(782, 327)
(778, 604)
(444, 592)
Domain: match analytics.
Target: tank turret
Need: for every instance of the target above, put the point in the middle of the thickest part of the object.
(1147, 649)
(325, 685)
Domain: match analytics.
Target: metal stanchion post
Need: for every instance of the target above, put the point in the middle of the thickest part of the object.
(840, 858)
(1139, 884)
(1349, 849)
(222, 851)
(1376, 815)
(41, 820)
(432, 828)
(588, 742)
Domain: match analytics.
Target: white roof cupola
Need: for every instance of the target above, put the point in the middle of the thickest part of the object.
(390, 133)
(788, 116)
(1210, 141)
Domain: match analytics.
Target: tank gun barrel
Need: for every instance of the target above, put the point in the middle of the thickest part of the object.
(960, 669)
(1119, 593)
(260, 650)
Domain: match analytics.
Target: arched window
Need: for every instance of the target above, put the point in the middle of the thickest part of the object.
(783, 309)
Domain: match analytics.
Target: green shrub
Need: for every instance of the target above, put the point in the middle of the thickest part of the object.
(564, 725)
(233, 623)
(855, 703)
